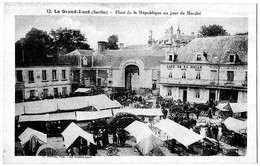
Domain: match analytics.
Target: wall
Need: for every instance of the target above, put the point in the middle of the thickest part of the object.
(39, 84)
(242, 97)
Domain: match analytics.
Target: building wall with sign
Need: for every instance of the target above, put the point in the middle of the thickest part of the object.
(206, 68)
(43, 80)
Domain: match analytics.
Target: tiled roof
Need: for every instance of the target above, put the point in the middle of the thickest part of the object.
(114, 58)
(216, 48)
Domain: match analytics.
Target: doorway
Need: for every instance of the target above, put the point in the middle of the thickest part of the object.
(132, 77)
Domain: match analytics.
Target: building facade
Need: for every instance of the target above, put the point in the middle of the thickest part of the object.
(135, 67)
(206, 68)
(39, 82)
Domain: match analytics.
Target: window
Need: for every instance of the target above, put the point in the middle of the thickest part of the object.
(169, 91)
(213, 75)
(44, 75)
(230, 75)
(64, 91)
(197, 93)
(232, 58)
(99, 82)
(54, 75)
(31, 76)
(154, 84)
(170, 57)
(170, 74)
(175, 57)
(45, 93)
(198, 57)
(183, 74)
(63, 73)
(198, 75)
(85, 60)
(19, 76)
(55, 92)
(32, 93)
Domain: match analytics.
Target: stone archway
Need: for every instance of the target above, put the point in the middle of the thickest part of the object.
(139, 73)
(132, 77)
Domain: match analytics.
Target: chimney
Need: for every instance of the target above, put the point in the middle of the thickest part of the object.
(192, 34)
(171, 31)
(178, 33)
(101, 46)
(121, 45)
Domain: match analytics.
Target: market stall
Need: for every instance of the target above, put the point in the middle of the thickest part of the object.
(146, 141)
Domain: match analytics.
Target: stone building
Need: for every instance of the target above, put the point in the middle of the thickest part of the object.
(207, 68)
(37, 82)
(133, 67)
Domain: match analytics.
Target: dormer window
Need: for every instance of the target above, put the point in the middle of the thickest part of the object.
(231, 58)
(198, 57)
(170, 57)
(85, 60)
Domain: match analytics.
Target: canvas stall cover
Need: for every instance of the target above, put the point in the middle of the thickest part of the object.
(143, 112)
(101, 102)
(221, 107)
(178, 132)
(145, 138)
(35, 107)
(63, 116)
(72, 132)
(237, 107)
(235, 124)
(91, 115)
(28, 133)
(82, 90)
(34, 118)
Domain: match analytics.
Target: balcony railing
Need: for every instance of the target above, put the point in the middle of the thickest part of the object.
(208, 82)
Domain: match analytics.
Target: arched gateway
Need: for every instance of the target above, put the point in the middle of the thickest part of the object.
(132, 77)
(132, 74)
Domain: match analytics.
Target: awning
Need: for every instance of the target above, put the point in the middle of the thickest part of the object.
(139, 130)
(178, 132)
(73, 103)
(28, 133)
(237, 107)
(36, 107)
(82, 90)
(146, 140)
(222, 107)
(235, 124)
(100, 102)
(143, 112)
(72, 132)
(91, 115)
(63, 116)
(32, 118)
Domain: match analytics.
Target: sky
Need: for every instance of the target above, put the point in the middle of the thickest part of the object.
(130, 30)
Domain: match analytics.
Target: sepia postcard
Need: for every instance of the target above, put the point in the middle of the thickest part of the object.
(130, 83)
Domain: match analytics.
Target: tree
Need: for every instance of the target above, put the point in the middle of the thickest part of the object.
(213, 30)
(112, 42)
(66, 40)
(34, 48)
(121, 120)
